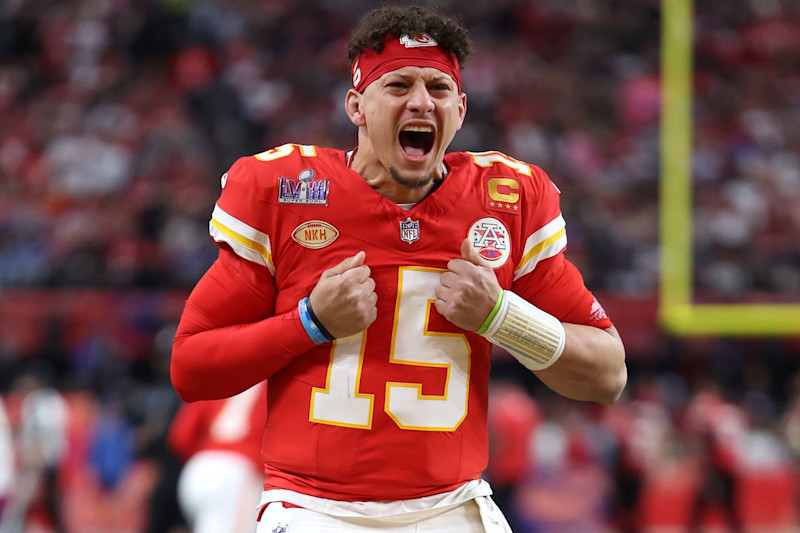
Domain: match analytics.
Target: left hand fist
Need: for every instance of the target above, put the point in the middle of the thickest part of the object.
(467, 290)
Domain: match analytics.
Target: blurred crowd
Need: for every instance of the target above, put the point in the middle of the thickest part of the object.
(706, 433)
(117, 118)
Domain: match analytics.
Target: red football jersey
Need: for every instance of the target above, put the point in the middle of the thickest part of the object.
(399, 410)
(233, 424)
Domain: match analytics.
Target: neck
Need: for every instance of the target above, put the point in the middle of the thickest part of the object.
(381, 180)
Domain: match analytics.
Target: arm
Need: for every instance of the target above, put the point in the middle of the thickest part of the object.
(591, 366)
(228, 338)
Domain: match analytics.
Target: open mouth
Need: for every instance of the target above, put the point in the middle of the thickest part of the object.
(416, 141)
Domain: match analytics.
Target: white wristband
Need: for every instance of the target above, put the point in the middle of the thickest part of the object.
(535, 338)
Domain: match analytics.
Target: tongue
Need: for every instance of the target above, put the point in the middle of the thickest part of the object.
(413, 151)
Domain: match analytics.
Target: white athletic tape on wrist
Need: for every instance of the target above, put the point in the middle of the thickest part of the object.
(535, 338)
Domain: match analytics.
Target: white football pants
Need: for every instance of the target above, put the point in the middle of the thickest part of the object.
(472, 516)
(218, 493)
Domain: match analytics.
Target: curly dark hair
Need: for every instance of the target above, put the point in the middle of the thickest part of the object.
(409, 20)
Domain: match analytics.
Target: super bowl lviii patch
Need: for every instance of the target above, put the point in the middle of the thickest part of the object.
(490, 238)
(306, 189)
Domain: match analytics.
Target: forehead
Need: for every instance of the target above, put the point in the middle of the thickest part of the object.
(428, 74)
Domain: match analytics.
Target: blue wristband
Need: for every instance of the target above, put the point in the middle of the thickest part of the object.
(313, 330)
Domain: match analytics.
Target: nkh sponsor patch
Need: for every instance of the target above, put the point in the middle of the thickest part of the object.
(315, 234)
(491, 241)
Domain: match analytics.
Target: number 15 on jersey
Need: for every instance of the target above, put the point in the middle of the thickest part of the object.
(341, 402)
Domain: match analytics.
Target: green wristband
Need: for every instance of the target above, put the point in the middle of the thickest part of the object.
(497, 305)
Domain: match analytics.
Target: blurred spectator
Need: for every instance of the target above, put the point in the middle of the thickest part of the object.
(790, 431)
(513, 420)
(220, 442)
(41, 442)
(7, 459)
(717, 429)
(641, 426)
(111, 452)
(152, 409)
(568, 487)
(791, 420)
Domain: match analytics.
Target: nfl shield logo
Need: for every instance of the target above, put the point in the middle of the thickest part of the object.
(409, 230)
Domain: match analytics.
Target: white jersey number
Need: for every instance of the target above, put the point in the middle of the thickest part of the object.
(341, 403)
(488, 159)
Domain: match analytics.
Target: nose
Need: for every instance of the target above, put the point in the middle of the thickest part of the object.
(419, 99)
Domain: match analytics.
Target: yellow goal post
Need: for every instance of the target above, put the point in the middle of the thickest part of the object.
(677, 312)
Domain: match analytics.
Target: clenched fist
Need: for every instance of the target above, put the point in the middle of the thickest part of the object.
(467, 290)
(344, 297)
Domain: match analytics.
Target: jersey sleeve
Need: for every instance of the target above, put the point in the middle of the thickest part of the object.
(229, 337)
(543, 226)
(235, 219)
(543, 276)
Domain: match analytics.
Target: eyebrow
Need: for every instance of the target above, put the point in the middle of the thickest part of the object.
(438, 77)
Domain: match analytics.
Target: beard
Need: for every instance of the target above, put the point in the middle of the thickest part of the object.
(411, 182)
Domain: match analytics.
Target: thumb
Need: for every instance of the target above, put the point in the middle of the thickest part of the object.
(469, 253)
(346, 264)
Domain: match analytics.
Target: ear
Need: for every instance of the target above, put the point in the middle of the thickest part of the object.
(462, 109)
(352, 106)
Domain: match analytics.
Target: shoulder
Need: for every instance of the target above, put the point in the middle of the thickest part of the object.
(245, 217)
(292, 155)
(499, 165)
(523, 197)
(506, 179)
(265, 169)
(279, 175)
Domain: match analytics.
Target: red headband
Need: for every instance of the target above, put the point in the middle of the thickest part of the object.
(419, 51)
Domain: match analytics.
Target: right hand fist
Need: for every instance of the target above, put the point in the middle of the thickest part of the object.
(344, 297)
(468, 289)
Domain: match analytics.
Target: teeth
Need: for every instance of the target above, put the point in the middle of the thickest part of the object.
(420, 129)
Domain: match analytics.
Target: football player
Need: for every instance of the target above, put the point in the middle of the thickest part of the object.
(369, 285)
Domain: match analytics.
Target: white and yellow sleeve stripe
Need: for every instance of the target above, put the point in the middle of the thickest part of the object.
(246, 241)
(544, 243)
